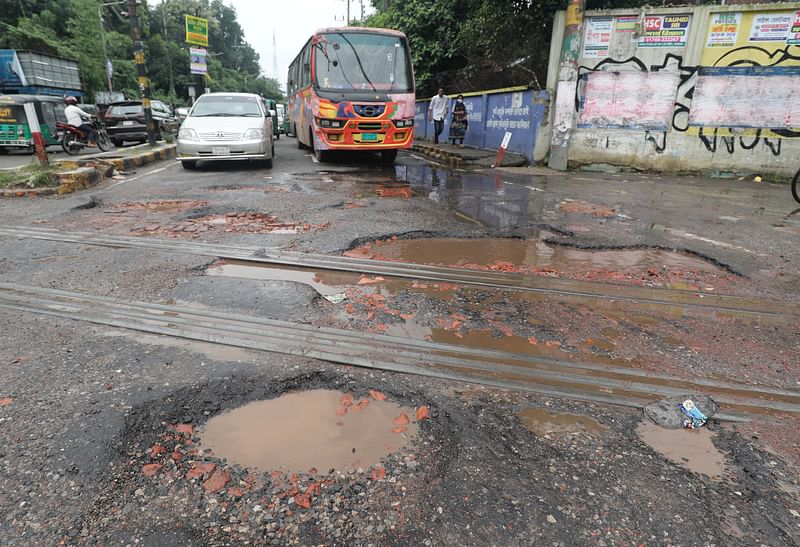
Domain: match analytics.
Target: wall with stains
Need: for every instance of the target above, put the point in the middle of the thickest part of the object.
(709, 88)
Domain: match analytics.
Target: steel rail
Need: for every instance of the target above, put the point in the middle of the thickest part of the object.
(718, 303)
(377, 351)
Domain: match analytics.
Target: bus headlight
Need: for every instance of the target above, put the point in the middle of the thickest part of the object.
(332, 124)
(404, 123)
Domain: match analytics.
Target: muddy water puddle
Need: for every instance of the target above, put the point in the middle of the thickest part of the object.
(530, 255)
(544, 422)
(690, 448)
(326, 283)
(310, 430)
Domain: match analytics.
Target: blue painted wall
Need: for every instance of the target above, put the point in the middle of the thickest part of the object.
(490, 115)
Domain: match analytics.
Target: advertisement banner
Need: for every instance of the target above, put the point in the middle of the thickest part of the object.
(771, 27)
(665, 31)
(626, 23)
(724, 29)
(794, 33)
(197, 60)
(196, 30)
(597, 37)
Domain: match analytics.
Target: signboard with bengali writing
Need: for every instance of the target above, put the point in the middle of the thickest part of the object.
(626, 23)
(794, 33)
(196, 30)
(197, 60)
(597, 37)
(771, 27)
(723, 30)
(665, 31)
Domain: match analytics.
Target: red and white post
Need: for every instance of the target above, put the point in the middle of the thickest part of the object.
(501, 152)
(36, 133)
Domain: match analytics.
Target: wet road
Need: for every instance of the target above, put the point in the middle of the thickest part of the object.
(631, 275)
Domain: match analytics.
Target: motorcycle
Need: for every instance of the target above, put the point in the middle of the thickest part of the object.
(74, 139)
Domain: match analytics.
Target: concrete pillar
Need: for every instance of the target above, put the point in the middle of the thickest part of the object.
(566, 87)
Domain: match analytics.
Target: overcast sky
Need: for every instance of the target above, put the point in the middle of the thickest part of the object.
(293, 22)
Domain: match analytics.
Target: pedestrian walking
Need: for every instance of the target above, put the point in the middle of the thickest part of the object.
(438, 112)
(459, 122)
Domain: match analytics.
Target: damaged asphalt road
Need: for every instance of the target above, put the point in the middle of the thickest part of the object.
(102, 428)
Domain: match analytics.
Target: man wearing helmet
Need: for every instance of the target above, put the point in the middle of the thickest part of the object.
(78, 118)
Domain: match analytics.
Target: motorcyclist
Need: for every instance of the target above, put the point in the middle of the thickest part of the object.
(80, 119)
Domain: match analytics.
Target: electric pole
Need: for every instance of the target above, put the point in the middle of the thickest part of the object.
(141, 69)
(274, 56)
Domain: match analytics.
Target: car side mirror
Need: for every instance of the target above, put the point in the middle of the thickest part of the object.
(272, 113)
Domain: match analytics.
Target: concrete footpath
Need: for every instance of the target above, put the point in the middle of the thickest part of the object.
(460, 157)
(81, 172)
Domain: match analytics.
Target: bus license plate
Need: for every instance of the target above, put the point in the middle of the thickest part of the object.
(220, 150)
(369, 136)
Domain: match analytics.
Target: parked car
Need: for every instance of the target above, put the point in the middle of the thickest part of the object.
(125, 121)
(181, 112)
(281, 108)
(272, 107)
(227, 126)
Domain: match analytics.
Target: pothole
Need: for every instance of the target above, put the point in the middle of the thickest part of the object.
(535, 257)
(544, 422)
(238, 223)
(310, 431)
(165, 205)
(690, 448)
(326, 283)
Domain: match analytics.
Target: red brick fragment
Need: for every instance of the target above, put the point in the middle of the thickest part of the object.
(401, 420)
(377, 395)
(217, 481)
(157, 449)
(151, 469)
(423, 413)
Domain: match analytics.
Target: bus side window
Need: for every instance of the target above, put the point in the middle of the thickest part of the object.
(306, 67)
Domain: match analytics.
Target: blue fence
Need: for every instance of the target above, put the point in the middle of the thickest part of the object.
(490, 115)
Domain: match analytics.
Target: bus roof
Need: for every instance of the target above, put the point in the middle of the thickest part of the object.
(371, 30)
(22, 99)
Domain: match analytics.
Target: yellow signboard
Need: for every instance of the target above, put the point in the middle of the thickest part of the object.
(196, 30)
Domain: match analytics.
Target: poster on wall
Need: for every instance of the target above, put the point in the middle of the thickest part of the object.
(724, 29)
(626, 23)
(665, 31)
(794, 33)
(771, 27)
(597, 37)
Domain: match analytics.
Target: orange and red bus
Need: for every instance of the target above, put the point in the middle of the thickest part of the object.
(352, 88)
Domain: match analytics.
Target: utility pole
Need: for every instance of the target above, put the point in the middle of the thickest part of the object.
(347, 23)
(141, 69)
(567, 86)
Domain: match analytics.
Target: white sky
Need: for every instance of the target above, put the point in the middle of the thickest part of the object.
(293, 22)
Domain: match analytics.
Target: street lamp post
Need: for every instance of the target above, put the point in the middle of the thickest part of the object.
(103, 38)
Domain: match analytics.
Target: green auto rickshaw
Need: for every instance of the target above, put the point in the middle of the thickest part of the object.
(14, 130)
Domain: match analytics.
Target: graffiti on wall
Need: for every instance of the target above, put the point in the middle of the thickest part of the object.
(725, 115)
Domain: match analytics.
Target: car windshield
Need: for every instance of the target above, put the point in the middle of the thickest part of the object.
(227, 105)
(121, 110)
(362, 61)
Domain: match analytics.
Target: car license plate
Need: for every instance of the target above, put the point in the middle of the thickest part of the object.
(127, 122)
(220, 150)
(369, 136)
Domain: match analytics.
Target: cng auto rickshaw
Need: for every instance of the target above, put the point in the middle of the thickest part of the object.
(14, 130)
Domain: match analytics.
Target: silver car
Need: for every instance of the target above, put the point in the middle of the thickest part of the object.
(226, 126)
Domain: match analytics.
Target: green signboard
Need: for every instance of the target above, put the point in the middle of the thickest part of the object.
(196, 30)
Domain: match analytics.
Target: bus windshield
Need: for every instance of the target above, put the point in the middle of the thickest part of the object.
(363, 62)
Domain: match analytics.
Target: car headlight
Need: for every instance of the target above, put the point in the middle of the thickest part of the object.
(404, 123)
(188, 135)
(253, 134)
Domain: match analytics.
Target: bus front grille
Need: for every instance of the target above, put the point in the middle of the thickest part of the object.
(370, 126)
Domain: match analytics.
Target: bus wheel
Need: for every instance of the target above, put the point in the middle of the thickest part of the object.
(388, 156)
(322, 155)
(299, 144)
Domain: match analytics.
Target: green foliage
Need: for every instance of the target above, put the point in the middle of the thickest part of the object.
(72, 29)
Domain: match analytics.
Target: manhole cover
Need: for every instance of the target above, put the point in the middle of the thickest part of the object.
(310, 430)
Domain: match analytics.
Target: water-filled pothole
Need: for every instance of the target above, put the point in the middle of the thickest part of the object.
(543, 422)
(326, 283)
(510, 254)
(689, 448)
(310, 430)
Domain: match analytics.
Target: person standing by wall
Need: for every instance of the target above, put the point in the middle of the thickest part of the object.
(458, 124)
(438, 111)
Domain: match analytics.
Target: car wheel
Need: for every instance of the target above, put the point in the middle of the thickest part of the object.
(267, 163)
(189, 164)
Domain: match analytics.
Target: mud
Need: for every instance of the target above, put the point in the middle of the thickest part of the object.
(690, 448)
(309, 430)
(544, 422)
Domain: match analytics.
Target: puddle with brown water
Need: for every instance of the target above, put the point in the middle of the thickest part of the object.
(689, 448)
(301, 431)
(544, 422)
(503, 254)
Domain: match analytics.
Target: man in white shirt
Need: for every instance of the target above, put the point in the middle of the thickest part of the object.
(78, 118)
(438, 111)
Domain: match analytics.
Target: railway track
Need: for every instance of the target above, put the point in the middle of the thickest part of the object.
(698, 302)
(548, 376)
